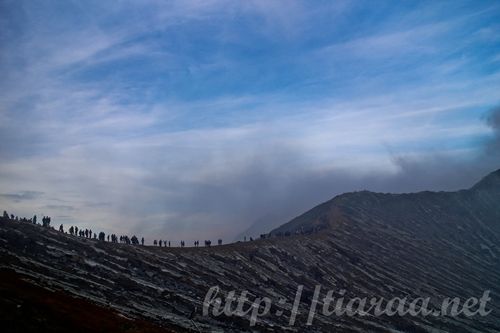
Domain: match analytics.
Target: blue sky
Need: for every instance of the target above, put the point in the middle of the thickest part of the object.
(194, 119)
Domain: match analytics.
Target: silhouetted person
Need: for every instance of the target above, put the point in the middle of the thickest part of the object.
(142, 241)
(219, 242)
(71, 230)
(76, 230)
(102, 236)
(34, 219)
(46, 221)
(5, 215)
(61, 228)
(168, 243)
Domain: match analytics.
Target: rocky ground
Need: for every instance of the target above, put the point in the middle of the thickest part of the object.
(369, 244)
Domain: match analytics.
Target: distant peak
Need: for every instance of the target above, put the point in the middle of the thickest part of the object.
(490, 181)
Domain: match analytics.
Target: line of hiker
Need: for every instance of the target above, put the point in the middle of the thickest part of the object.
(101, 236)
(46, 219)
(75, 231)
(164, 243)
(161, 243)
(87, 233)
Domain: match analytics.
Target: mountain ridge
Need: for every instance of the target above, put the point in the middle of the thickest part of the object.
(317, 217)
(489, 181)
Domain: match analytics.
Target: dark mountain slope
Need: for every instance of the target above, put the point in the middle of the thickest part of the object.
(370, 244)
(417, 212)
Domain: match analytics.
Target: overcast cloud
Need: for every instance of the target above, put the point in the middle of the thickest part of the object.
(195, 119)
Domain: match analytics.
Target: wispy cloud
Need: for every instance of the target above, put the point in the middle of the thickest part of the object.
(193, 119)
(21, 196)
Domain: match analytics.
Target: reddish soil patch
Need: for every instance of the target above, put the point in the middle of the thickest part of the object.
(26, 307)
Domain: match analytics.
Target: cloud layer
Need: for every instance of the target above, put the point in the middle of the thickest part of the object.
(193, 120)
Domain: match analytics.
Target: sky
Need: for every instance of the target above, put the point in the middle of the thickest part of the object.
(202, 119)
